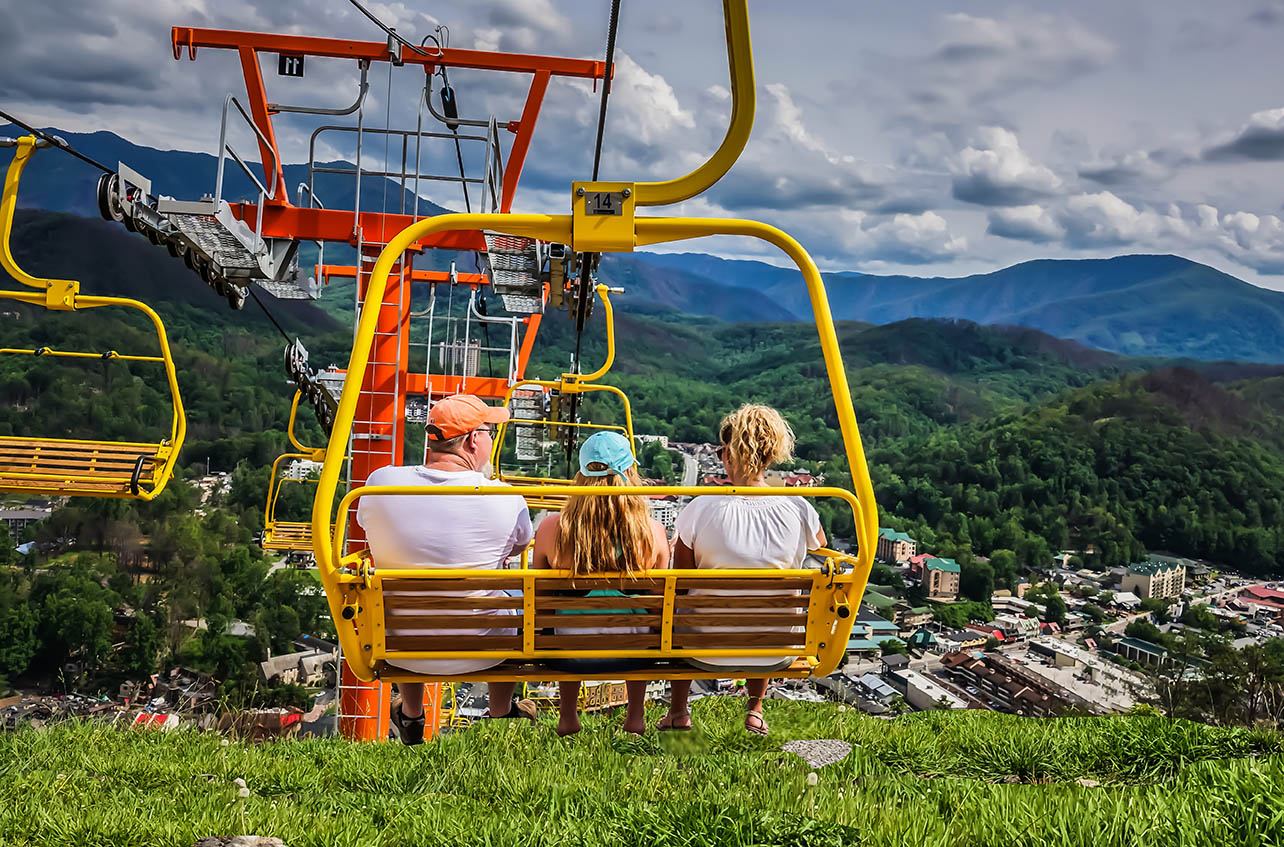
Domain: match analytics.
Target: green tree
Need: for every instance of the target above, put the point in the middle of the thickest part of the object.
(893, 646)
(976, 582)
(1056, 610)
(1004, 563)
(18, 643)
(144, 645)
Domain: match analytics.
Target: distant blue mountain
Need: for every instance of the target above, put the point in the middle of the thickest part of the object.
(1143, 305)
(1138, 305)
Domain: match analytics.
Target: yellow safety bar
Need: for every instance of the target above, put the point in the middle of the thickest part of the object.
(315, 454)
(76, 467)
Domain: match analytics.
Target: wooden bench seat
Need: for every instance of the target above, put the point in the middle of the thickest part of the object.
(528, 617)
(70, 467)
(288, 535)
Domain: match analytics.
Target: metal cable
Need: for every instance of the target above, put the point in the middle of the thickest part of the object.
(392, 33)
(255, 295)
(60, 143)
(581, 312)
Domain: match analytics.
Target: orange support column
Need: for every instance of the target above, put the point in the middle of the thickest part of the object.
(378, 435)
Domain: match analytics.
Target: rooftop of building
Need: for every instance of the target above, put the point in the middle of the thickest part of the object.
(893, 535)
(1143, 645)
(1153, 566)
(938, 564)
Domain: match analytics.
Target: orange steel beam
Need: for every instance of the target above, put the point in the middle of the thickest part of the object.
(191, 38)
(336, 225)
(327, 272)
(522, 143)
(258, 108)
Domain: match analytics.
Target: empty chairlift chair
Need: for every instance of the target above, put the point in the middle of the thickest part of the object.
(71, 466)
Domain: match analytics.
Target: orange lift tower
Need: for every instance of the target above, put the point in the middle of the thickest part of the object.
(237, 246)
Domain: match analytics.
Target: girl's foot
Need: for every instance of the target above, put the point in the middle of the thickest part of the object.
(679, 722)
(568, 725)
(755, 723)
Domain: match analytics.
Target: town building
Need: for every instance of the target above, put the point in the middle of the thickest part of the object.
(870, 630)
(895, 547)
(644, 439)
(1016, 627)
(1155, 577)
(665, 510)
(19, 518)
(922, 693)
(939, 577)
(1141, 651)
(1126, 600)
(1263, 598)
(1001, 683)
(876, 688)
(954, 640)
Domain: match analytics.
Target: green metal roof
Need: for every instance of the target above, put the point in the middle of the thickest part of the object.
(1150, 567)
(947, 565)
(893, 535)
(878, 601)
(1144, 646)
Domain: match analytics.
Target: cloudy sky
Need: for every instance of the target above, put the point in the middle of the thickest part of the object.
(918, 137)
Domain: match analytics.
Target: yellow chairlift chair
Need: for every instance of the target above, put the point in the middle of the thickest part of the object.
(69, 466)
(289, 536)
(803, 615)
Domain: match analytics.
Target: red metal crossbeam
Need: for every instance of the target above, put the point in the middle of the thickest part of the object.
(190, 38)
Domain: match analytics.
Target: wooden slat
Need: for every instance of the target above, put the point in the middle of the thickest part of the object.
(790, 583)
(404, 584)
(397, 643)
(392, 622)
(732, 640)
(517, 671)
(74, 448)
(97, 472)
(594, 621)
(597, 642)
(31, 443)
(739, 601)
(749, 619)
(462, 604)
(628, 586)
(62, 454)
(62, 487)
(650, 601)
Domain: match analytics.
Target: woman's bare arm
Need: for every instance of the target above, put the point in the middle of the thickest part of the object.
(683, 556)
(545, 542)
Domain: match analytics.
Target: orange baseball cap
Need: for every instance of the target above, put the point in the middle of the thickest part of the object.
(460, 414)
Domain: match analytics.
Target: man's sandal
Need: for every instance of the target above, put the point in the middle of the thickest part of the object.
(755, 723)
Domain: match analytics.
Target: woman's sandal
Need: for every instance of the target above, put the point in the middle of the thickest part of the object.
(755, 723)
(669, 724)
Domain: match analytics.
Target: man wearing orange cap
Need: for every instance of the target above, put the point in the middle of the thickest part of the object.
(446, 532)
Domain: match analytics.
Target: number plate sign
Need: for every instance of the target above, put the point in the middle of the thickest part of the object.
(604, 203)
(289, 65)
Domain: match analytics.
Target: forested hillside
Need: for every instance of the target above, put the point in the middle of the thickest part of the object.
(981, 438)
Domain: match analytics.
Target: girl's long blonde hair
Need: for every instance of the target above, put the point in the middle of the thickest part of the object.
(756, 437)
(601, 534)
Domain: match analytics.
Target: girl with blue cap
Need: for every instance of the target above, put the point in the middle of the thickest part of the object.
(602, 535)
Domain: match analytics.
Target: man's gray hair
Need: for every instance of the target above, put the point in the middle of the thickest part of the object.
(450, 445)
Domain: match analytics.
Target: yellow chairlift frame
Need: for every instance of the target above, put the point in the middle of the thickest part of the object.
(289, 536)
(356, 591)
(80, 467)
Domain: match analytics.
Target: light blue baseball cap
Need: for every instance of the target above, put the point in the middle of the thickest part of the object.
(606, 448)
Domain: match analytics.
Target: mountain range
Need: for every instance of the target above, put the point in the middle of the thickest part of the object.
(1139, 305)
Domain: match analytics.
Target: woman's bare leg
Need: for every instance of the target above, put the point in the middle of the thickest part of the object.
(568, 708)
(754, 721)
(635, 711)
(412, 698)
(679, 714)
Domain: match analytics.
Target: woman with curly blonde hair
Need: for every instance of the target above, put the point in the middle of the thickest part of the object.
(744, 532)
(602, 535)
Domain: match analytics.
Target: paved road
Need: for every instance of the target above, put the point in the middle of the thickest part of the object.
(690, 469)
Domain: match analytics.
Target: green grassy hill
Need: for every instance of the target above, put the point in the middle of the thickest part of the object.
(973, 778)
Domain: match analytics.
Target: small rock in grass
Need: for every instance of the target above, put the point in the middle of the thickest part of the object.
(238, 782)
(1087, 783)
(818, 752)
(1011, 779)
(238, 841)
